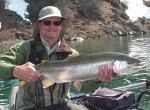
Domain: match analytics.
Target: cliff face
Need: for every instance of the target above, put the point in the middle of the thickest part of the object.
(86, 18)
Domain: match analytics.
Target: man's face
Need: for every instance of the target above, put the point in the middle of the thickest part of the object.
(50, 29)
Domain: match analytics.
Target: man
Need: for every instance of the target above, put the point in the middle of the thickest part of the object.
(48, 44)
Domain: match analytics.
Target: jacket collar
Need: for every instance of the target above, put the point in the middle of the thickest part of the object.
(37, 39)
(62, 48)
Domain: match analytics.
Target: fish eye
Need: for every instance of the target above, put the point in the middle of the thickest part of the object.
(130, 62)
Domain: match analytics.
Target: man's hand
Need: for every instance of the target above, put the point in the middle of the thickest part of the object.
(26, 72)
(106, 73)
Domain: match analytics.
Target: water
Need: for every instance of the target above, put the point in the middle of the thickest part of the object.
(5, 89)
(138, 47)
(119, 44)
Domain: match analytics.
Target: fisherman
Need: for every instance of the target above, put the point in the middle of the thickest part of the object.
(48, 44)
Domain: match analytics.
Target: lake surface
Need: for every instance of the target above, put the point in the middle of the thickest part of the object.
(138, 47)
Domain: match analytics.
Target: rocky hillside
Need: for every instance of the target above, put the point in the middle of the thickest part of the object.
(86, 19)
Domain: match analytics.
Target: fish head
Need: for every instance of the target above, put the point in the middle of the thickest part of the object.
(126, 66)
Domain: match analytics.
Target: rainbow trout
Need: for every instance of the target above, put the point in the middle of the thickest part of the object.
(86, 67)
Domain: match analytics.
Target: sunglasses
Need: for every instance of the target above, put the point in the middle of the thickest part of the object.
(55, 23)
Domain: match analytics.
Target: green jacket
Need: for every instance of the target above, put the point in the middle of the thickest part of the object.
(17, 55)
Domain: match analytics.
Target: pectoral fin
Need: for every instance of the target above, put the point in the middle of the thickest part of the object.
(46, 83)
(78, 85)
(21, 84)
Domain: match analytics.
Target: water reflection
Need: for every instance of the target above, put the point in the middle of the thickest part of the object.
(139, 48)
(5, 90)
(119, 44)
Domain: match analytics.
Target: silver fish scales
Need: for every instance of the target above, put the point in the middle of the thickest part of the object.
(86, 67)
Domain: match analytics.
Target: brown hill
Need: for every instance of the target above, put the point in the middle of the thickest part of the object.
(86, 18)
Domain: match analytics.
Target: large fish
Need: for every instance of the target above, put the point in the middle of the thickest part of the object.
(86, 67)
